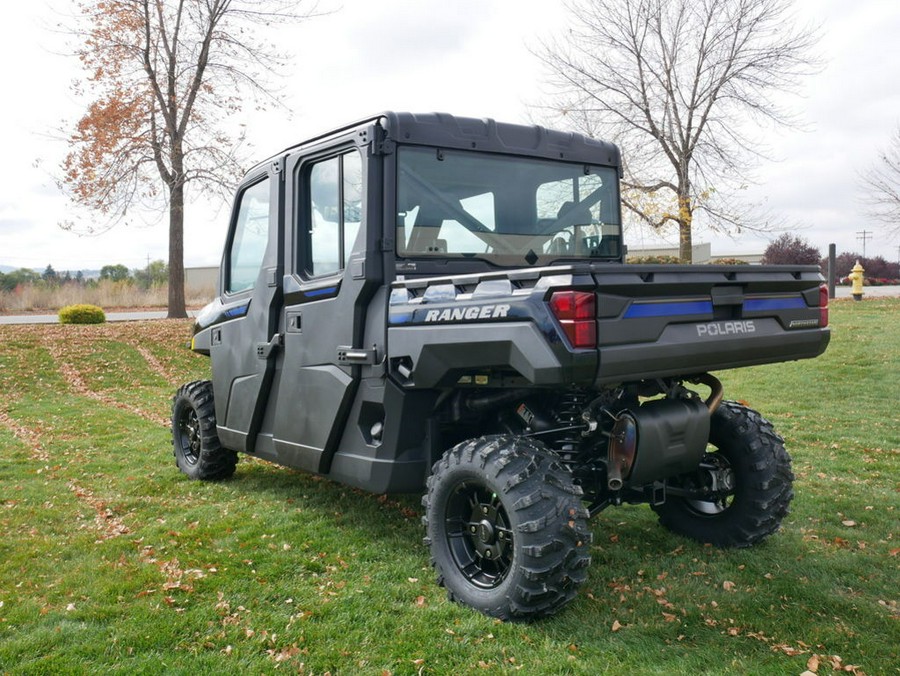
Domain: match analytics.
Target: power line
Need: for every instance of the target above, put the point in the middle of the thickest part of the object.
(864, 235)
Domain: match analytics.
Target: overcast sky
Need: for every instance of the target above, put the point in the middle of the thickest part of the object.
(467, 57)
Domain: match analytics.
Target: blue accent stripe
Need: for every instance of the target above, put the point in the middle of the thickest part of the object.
(237, 311)
(669, 309)
(769, 304)
(400, 318)
(315, 293)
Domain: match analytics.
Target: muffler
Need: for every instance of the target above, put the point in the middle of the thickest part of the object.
(660, 439)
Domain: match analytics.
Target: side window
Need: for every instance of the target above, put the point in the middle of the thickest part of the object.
(251, 234)
(335, 212)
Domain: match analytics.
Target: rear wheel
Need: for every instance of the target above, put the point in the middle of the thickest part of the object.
(506, 527)
(198, 452)
(744, 487)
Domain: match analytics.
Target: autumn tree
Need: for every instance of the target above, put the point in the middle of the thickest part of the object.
(165, 77)
(16, 278)
(789, 249)
(677, 84)
(875, 267)
(882, 186)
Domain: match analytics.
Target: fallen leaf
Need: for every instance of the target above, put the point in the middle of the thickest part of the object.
(728, 585)
(420, 601)
(813, 663)
(848, 522)
(787, 649)
(616, 625)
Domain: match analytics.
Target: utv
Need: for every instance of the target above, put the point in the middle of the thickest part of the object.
(432, 302)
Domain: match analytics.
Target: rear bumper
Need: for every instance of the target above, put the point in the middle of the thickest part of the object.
(692, 348)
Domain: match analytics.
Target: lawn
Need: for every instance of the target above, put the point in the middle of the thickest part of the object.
(112, 561)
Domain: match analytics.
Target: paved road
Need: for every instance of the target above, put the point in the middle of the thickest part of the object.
(869, 291)
(841, 291)
(110, 317)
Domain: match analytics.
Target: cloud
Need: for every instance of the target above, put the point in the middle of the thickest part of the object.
(12, 225)
(415, 32)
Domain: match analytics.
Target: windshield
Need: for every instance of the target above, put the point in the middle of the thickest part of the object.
(504, 209)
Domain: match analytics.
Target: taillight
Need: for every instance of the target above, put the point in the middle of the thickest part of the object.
(577, 314)
(823, 306)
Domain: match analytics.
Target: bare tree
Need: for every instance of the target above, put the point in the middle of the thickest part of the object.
(676, 83)
(882, 186)
(164, 77)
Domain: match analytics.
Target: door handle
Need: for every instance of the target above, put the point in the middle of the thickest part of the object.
(351, 355)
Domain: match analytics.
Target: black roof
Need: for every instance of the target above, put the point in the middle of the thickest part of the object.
(487, 135)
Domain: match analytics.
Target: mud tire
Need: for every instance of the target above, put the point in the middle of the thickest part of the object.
(198, 452)
(746, 443)
(507, 529)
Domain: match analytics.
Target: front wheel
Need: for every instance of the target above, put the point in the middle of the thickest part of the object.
(506, 527)
(198, 452)
(744, 486)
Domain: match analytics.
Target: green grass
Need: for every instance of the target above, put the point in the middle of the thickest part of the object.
(111, 561)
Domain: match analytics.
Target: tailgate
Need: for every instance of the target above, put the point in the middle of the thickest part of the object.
(656, 321)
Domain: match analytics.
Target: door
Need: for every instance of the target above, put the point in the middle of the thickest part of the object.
(326, 296)
(244, 348)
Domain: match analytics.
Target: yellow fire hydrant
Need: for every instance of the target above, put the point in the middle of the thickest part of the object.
(856, 279)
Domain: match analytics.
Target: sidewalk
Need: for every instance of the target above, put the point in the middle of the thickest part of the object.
(869, 292)
(110, 317)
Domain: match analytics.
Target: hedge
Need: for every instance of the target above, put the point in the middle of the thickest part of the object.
(81, 314)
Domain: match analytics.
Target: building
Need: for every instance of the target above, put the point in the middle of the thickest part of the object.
(701, 253)
(200, 280)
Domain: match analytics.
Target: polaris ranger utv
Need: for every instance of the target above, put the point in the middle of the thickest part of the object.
(431, 302)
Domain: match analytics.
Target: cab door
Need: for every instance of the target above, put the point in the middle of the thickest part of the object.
(243, 346)
(327, 290)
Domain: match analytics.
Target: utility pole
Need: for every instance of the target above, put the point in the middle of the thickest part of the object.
(832, 273)
(864, 235)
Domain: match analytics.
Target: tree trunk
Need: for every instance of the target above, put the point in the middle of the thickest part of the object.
(685, 221)
(176, 252)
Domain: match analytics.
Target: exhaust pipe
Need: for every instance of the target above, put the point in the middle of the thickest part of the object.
(716, 391)
(621, 451)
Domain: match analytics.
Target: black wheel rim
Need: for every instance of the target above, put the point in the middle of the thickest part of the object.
(189, 435)
(478, 534)
(721, 484)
